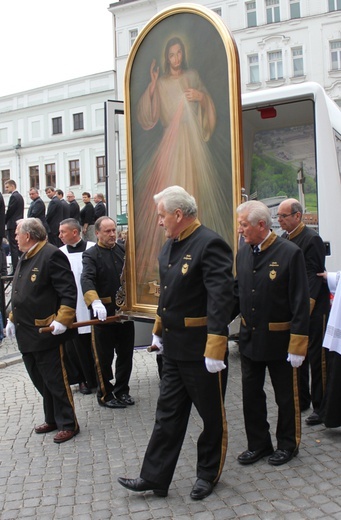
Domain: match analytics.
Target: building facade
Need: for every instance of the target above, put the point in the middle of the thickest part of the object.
(54, 135)
(280, 42)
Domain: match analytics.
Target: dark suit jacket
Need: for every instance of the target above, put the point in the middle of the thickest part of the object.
(37, 210)
(100, 210)
(2, 217)
(43, 289)
(54, 215)
(273, 292)
(66, 209)
(314, 253)
(15, 210)
(74, 210)
(196, 295)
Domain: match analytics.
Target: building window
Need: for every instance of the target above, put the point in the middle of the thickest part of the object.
(50, 174)
(272, 11)
(275, 65)
(78, 123)
(132, 36)
(100, 167)
(74, 172)
(57, 127)
(253, 68)
(335, 53)
(5, 176)
(295, 9)
(297, 61)
(334, 5)
(34, 177)
(251, 14)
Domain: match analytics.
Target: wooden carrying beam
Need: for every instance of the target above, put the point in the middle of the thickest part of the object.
(78, 324)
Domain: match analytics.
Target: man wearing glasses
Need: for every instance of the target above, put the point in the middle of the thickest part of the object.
(289, 216)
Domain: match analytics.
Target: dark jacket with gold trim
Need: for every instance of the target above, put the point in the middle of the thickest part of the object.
(196, 295)
(314, 252)
(273, 292)
(101, 275)
(43, 289)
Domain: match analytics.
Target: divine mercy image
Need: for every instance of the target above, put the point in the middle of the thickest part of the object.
(178, 107)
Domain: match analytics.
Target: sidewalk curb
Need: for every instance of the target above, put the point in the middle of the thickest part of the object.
(10, 359)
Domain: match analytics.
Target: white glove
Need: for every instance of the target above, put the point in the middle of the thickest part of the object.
(99, 310)
(157, 341)
(10, 329)
(296, 361)
(214, 365)
(58, 328)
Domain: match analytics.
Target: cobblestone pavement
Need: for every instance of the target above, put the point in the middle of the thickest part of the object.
(40, 480)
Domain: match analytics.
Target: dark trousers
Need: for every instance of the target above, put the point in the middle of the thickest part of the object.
(47, 372)
(13, 247)
(285, 385)
(184, 383)
(80, 363)
(315, 363)
(108, 339)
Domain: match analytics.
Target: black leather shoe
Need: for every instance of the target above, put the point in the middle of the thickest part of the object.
(84, 389)
(125, 399)
(280, 457)
(249, 457)
(201, 489)
(113, 403)
(313, 418)
(139, 484)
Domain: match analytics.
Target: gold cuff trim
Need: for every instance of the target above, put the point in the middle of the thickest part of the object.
(277, 327)
(157, 329)
(196, 322)
(298, 345)
(216, 347)
(312, 304)
(243, 321)
(66, 315)
(106, 299)
(90, 296)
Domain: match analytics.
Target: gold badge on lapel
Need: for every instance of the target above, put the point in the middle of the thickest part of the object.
(184, 269)
(272, 274)
(33, 277)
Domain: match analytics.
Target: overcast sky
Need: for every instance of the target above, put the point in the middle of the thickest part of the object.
(44, 41)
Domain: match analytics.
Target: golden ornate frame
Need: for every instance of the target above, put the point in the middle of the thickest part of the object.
(203, 17)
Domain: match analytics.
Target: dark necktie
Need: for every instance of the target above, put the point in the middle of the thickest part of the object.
(256, 250)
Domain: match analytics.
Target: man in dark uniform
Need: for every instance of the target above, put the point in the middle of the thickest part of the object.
(100, 209)
(65, 205)
(195, 305)
(37, 207)
(74, 206)
(44, 294)
(290, 219)
(87, 218)
(15, 211)
(272, 288)
(100, 280)
(3, 261)
(54, 216)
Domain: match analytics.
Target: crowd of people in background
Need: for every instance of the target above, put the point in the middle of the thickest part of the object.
(71, 267)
